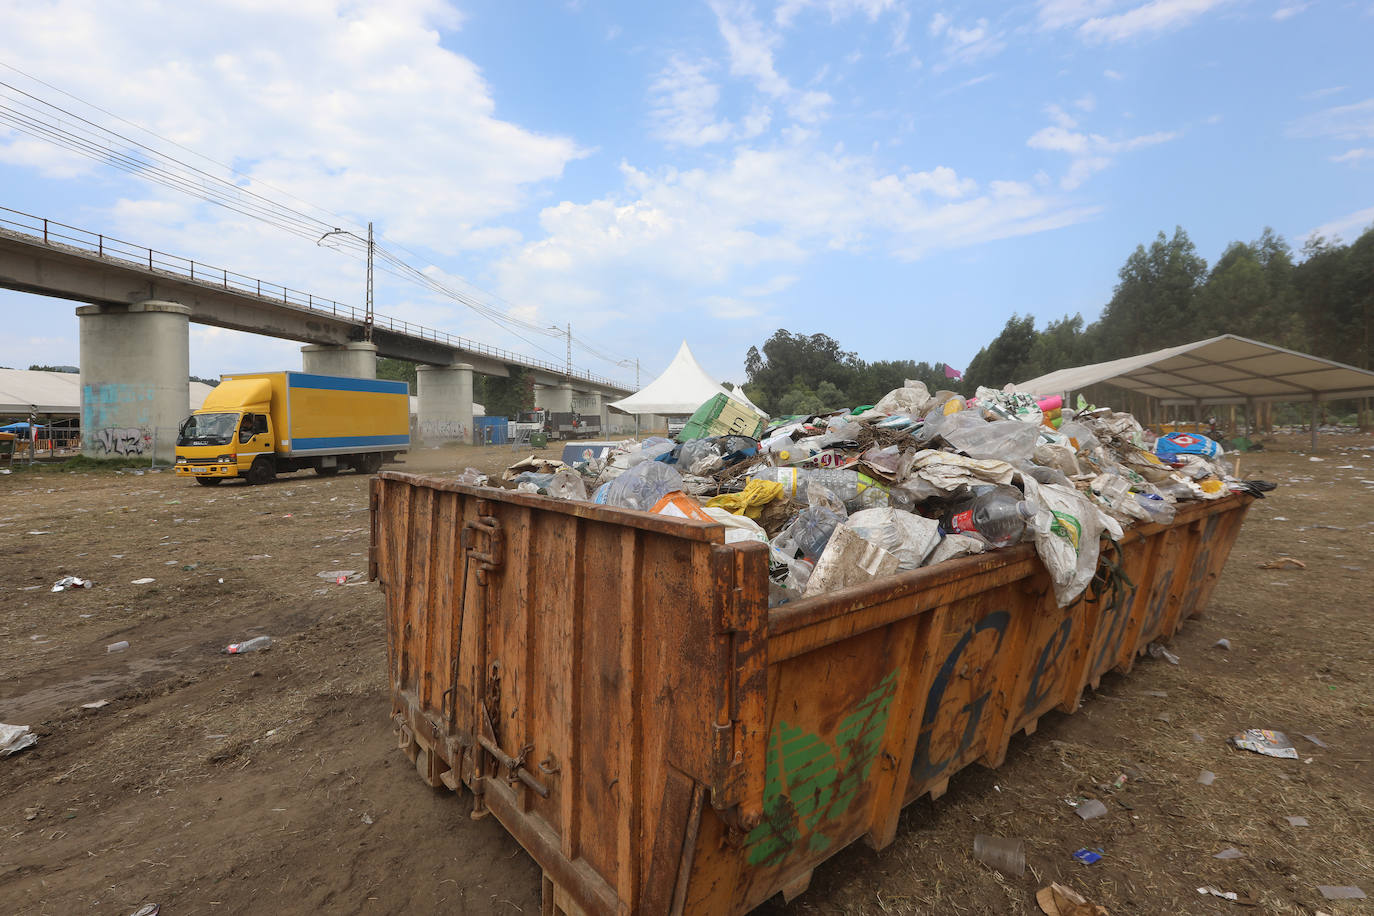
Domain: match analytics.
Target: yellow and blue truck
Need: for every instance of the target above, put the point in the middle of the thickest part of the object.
(256, 425)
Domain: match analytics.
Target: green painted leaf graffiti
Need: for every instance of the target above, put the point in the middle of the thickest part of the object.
(812, 781)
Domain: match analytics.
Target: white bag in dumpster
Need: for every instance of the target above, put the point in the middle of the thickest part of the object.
(955, 545)
(848, 560)
(737, 527)
(567, 484)
(1068, 545)
(1007, 440)
(949, 471)
(907, 536)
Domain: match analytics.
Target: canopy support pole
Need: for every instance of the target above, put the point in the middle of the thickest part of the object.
(1249, 418)
(1316, 407)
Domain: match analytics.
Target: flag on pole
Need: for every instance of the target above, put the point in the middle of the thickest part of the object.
(951, 372)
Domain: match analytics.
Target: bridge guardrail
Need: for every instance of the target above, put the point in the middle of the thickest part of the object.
(53, 234)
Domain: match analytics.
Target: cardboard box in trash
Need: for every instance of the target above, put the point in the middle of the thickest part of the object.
(722, 416)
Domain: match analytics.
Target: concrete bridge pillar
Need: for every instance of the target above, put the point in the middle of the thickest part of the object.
(354, 360)
(555, 399)
(135, 378)
(445, 394)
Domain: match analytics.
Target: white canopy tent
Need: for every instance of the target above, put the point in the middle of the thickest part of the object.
(1221, 370)
(681, 389)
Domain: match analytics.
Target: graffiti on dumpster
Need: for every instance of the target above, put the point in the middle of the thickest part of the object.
(1048, 662)
(923, 767)
(123, 441)
(812, 782)
(1201, 576)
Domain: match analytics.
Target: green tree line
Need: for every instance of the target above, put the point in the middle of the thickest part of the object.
(1318, 301)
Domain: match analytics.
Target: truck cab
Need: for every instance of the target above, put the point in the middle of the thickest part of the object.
(217, 442)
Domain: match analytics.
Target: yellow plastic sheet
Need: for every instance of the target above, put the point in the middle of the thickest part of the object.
(750, 502)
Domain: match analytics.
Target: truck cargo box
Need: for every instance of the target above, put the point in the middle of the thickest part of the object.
(660, 741)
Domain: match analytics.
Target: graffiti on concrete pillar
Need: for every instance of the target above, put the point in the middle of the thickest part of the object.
(443, 429)
(122, 441)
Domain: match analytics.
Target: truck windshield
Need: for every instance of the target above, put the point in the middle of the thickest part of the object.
(208, 429)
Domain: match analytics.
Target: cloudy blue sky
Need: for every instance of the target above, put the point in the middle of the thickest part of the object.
(902, 176)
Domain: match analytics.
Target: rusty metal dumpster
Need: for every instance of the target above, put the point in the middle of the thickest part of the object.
(613, 688)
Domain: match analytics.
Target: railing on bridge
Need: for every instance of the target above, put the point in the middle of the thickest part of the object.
(54, 234)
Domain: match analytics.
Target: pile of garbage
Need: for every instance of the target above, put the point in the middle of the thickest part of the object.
(911, 481)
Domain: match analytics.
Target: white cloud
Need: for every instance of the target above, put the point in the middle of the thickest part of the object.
(684, 108)
(1322, 93)
(1057, 14)
(1344, 122)
(964, 44)
(751, 46)
(1354, 155)
(1113, 75)
(1149, 18)
(341, 102)
(1288, 10)
(724, 231)
(838, 9)
(1352, 224)
(1090, 153)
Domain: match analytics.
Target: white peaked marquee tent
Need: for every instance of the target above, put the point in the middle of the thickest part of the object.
(681, 389)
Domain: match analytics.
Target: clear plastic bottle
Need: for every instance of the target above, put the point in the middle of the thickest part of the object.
(808, 532)
(855, 490)
(255, 644)
(997, 514)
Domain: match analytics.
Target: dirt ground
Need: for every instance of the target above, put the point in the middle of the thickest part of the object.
(271, 783)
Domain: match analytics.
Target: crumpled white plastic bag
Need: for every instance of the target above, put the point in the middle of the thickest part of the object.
(14, 738)
(1070, 543)
(908, 537)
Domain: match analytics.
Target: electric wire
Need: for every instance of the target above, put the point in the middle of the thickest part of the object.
(92, 141)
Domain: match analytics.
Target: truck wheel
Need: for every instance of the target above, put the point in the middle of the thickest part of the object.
(368, 464)
(209, 481)
(262, 471)
(326, 472)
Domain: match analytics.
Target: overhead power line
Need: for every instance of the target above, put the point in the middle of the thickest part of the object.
(40, 119)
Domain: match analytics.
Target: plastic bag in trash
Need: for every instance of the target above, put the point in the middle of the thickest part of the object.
(955, 545)
(737, 527)
(1069, 548)
(641, 486)
(910, 538)
(1008, 440)
(848, 560)
(567, 484)
(1172, 445)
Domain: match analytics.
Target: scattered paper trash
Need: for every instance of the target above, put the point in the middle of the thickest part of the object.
(1001, 853)
(1244, 899)
(1156, 650)
(1283, 563)
(1222, 644)
(148, 909)
(144, 581)
(1317, 741)
(67, 582)
(98, 704)
(1343, 892)
(1058, 900)
(1162, 694)
(1088, 856)
(1206, 777)
(14, 738)
(1265, 741)
(1089, 809)
(1230, 852)
(367, 819)
(1296, 820)
(117, 646)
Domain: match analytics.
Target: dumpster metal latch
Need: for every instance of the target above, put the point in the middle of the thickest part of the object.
(488, 526)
